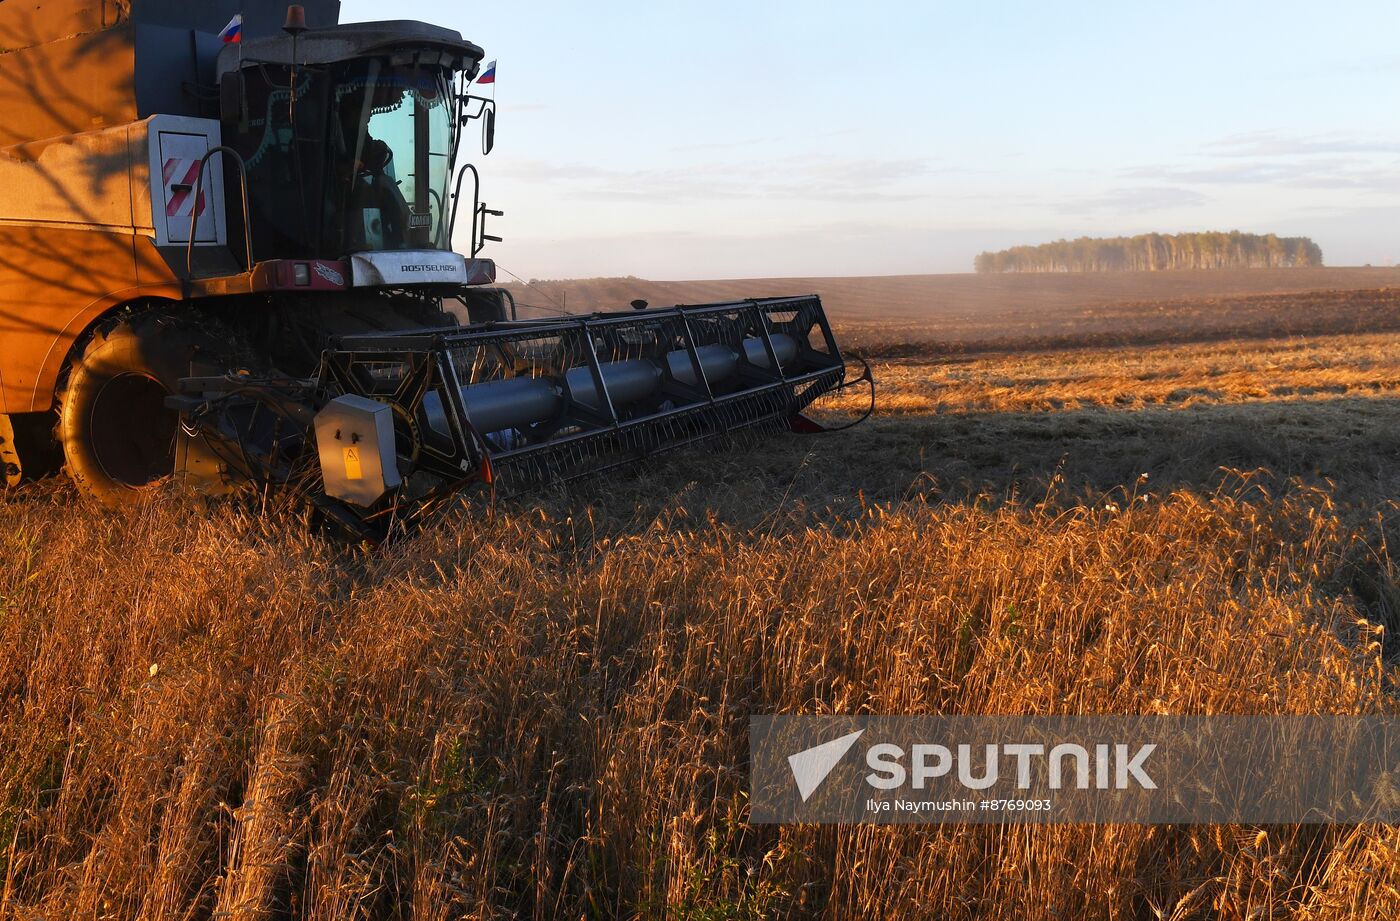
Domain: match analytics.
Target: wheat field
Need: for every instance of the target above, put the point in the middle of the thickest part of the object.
(540, 710)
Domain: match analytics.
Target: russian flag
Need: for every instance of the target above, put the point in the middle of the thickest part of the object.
(233, 32)
(488, 75)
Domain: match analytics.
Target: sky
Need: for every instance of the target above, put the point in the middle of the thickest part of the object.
(772, 138)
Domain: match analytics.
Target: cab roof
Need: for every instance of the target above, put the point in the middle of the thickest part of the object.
(358, 40)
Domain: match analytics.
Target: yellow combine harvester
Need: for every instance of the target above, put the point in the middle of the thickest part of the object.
(232, 260)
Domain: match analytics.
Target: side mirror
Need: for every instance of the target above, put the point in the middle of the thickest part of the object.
(233, 100)
(488, 131)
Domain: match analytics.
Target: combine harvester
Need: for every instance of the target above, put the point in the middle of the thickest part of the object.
(231, 261)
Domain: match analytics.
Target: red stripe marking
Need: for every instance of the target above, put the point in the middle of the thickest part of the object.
(177, 201)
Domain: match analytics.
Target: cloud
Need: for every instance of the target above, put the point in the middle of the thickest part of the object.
(1136, 198)
(1274, 144)
(1309, 173)
(806, 177)
(1318, 161)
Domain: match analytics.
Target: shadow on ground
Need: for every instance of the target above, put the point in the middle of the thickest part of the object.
(1350, 444)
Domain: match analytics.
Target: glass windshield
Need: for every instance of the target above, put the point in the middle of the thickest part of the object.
(285, 174)
(391, 146)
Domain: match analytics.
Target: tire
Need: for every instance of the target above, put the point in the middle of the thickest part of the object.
(485, 305)
(118, 438)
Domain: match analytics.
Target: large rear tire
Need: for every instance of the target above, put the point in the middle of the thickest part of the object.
(118, 437)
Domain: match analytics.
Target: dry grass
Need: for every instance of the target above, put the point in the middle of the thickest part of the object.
(543, 713)
(1230, 372)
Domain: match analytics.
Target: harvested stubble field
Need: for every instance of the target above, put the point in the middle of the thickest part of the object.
(542, 712)
(1017, 307)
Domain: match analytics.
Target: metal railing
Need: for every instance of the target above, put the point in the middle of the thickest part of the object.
(479, 211)
(196, 210)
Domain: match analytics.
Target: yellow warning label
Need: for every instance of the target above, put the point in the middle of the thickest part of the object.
(352, 464)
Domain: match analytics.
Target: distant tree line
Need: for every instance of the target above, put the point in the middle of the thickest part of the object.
(1151, 252)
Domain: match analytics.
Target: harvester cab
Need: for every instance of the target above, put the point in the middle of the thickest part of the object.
(237, 261)
(347, 137)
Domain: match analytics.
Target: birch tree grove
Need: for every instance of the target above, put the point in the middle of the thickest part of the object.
(1152, 252)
